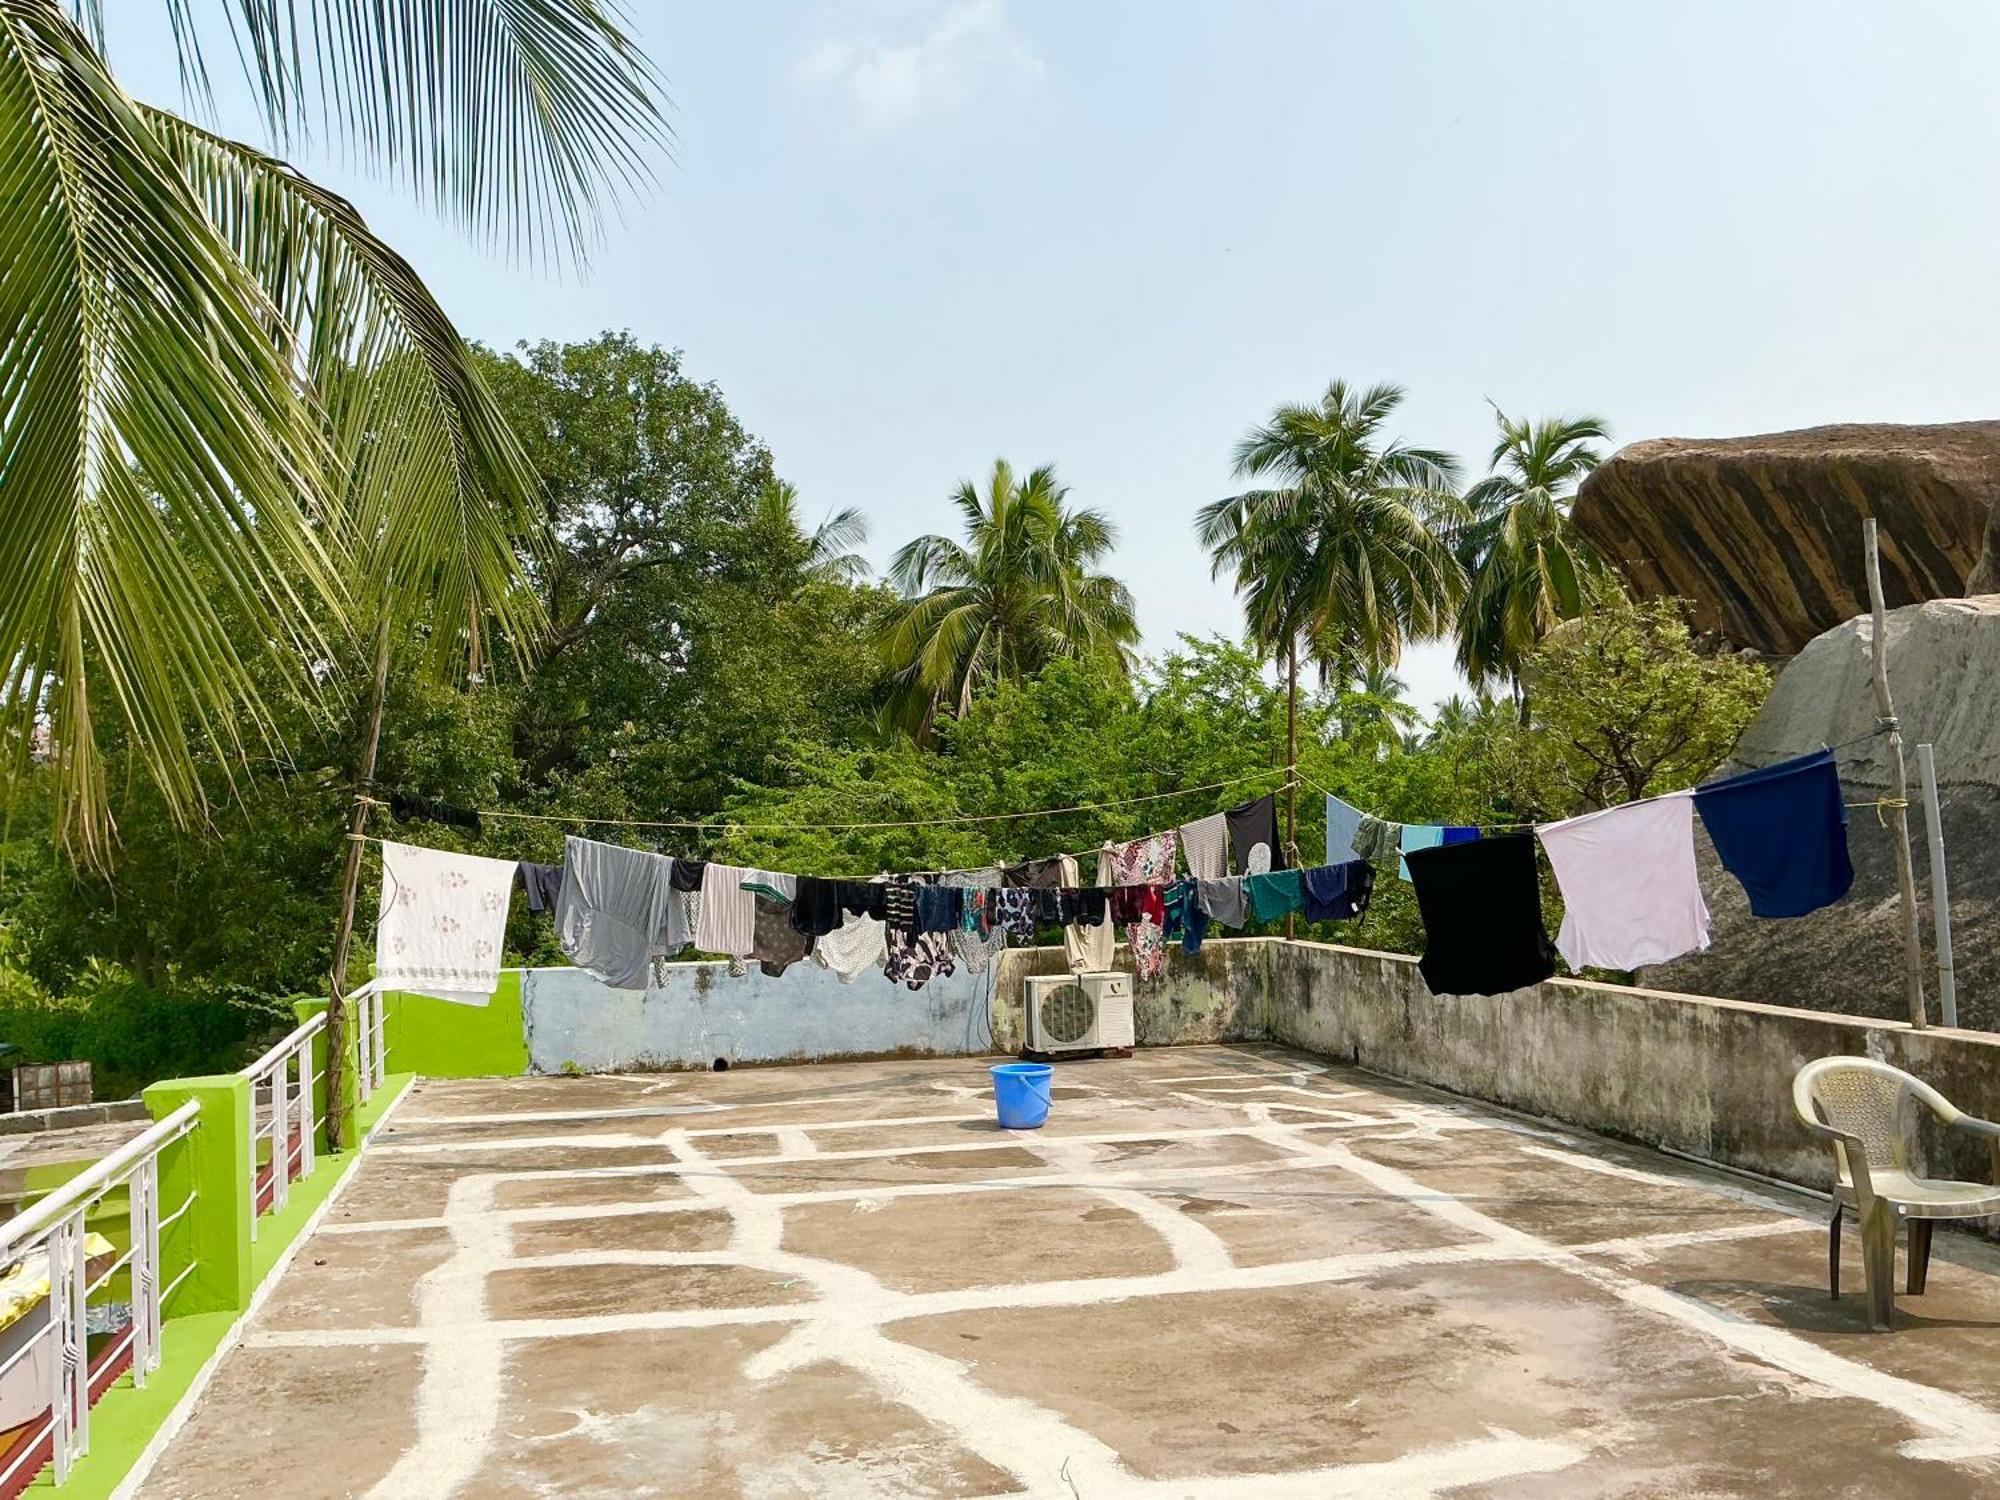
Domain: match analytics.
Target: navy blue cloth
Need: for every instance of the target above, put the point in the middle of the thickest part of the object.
(1458, 834)
(1782, 832)
(939, 908)
(1339, 893)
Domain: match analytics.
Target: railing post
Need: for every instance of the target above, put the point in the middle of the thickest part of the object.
(308, 1115)
(69, 1398)
(214, 1164)
(144, 1197)
(350, 1070)
(281, 1135)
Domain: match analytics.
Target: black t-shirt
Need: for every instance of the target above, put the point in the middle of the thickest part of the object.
(1482, 910)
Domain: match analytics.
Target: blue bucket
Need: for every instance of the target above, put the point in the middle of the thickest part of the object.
(1021, 1094)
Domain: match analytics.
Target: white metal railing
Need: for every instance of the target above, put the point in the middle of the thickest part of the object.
(368, 1019)
(282, 1091)
(55, 1228)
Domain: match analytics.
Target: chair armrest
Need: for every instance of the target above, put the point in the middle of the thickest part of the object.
(1976, 1126)
(1856, 1156)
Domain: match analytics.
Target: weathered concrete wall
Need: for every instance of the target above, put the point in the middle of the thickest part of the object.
(702, 1013)
(1215, 996)
(1705, 1076)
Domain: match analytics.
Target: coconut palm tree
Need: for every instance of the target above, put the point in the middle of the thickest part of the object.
(222, 398)
(1528, 567)
(831, 550)
(1019, 591)
(1342, 559)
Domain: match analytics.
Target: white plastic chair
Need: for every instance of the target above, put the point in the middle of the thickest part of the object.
(1867, 1110)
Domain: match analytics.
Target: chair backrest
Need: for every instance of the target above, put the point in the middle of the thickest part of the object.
(1871, 1101)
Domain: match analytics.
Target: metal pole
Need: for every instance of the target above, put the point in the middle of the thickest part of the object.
(1899, 801)
(1940, 888)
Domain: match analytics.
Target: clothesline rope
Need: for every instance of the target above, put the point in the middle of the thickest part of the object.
(732, 826)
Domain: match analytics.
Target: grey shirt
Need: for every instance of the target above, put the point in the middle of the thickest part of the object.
(1226, 900)
(617, 911)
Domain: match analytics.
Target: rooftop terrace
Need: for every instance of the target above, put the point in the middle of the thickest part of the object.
(1219, 1271)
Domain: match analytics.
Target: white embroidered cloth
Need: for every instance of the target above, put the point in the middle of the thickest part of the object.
(442, 924)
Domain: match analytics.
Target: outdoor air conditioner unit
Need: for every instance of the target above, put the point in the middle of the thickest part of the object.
(1079, 1013)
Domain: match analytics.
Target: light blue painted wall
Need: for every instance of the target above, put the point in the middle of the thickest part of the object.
(702, 1013)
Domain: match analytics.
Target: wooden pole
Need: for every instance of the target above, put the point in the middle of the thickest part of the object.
(343, 937)
(1940, 889)
(1899, 810)
(1291, 769)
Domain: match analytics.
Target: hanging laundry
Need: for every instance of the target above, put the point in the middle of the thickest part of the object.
(728, 911)
(543, 883)
(1048, 906)
(1033, 874)
(1225, 900)
(1177, 900)
(775, 943)
(1482, 909)
(864, 898)
(1631, 896)
(408, 807)
(913, 958)
(1782, 832)
(1149, 861)
(815, 909)
(857, 945)
(1205, 846)
(688, 874)
(1457, 834)
(616, 911)
(442, 923)
(1417, 836)
(1014, 911)
(1274, 893)
(1193, 920)
(1376, 839)
(939, 908)
(1338, 893)
(1253, 835)
(977, 942)
(1138, 903)
(773, 883)
(1090, 943)
(1343, 822)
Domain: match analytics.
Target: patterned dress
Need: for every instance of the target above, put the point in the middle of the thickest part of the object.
(1146, 861)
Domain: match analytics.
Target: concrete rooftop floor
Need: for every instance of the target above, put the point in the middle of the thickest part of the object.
(1218, 1272)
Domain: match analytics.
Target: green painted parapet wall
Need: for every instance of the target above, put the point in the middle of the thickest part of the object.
(437, 1039)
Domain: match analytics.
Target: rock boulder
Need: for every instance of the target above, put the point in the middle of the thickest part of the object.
(1944, 674)
(1763, 534)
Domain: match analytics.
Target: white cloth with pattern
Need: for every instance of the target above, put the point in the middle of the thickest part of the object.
(1090, 950)
(857, 945)
(442, 923)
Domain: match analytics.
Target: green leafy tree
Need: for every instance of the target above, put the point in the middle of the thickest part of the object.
(1021, 590)
(1625, 705)
(1528, 567)
(219, 385)
(831, 549)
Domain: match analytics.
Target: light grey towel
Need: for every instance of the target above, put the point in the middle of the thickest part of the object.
(1205, 843)
(617, 911)
(1226, 901)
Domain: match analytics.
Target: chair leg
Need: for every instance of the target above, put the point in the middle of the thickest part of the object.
(1878, 1260)
(1920, 1256)
(1833, 1255)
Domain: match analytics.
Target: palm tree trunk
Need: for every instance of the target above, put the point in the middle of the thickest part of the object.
(343, 938)
(1291, 766)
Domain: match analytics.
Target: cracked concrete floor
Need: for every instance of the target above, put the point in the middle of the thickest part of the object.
(1218, 1272)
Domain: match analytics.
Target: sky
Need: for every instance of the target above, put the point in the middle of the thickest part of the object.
(906, 237)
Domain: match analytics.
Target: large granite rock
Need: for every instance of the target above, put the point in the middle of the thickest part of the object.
(1944, 674)
(1764, 533)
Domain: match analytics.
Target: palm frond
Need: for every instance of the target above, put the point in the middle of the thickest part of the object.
(512, 116)
(439, 500)
(160, 458)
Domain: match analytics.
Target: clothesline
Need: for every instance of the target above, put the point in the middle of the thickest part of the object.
(732, 826)
(1882, 726)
